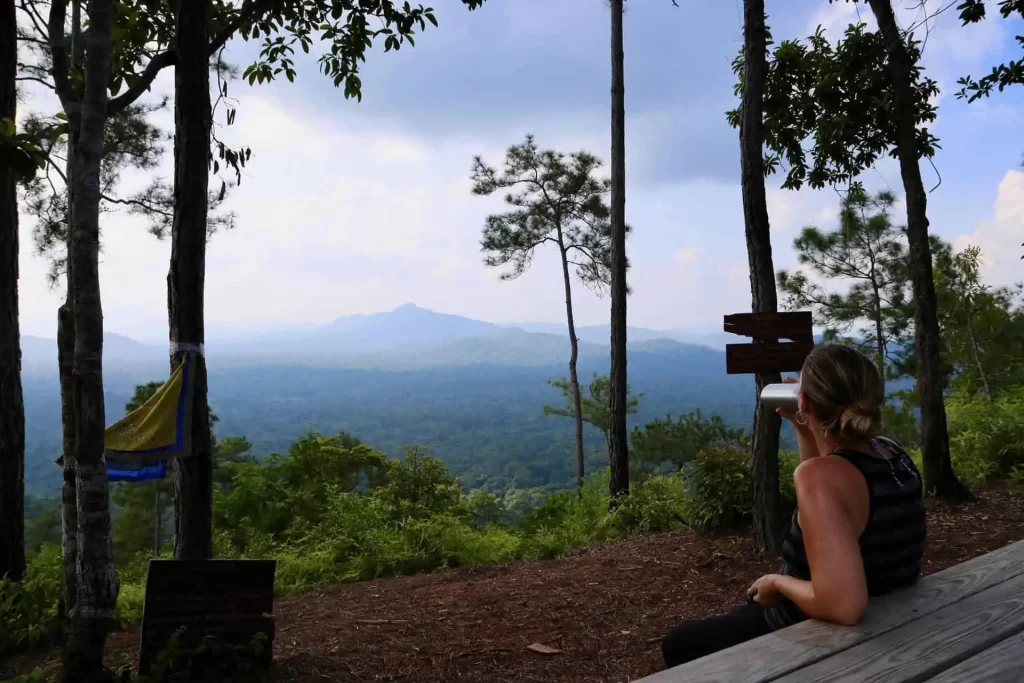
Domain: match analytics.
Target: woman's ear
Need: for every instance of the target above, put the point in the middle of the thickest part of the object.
(801, 403)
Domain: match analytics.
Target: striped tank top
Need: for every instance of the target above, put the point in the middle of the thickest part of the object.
(893, 540)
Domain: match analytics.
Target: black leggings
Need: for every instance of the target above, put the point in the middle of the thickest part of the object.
(695, 639)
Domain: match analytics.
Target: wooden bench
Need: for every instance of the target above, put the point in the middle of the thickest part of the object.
(961, 625)
(229, 599)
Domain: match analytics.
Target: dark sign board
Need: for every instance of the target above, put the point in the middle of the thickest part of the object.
(765, 358)
(795, 326)
(767, 355)
(229, 599)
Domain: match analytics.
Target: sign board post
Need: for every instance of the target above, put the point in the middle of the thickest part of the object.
(768, 355)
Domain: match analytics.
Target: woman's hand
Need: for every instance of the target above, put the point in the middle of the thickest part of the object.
(765, 591)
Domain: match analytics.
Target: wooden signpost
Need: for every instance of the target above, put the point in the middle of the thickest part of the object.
(767, 354)
(230, 599)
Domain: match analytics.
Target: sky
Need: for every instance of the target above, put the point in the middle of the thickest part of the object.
(357, 207)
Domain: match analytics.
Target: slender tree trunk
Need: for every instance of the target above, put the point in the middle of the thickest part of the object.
(972, 335)
(879, 339)
(66, 366)
(939, 477)
(619, 437)
(12, 406)
(765, 443)
(92, 616)
(193, 475)
(574, 353)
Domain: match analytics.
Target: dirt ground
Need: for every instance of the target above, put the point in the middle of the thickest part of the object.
(601, 612)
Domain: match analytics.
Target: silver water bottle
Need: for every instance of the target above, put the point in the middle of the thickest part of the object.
(780, 396)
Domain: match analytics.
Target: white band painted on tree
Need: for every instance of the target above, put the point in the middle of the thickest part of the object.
(187, 347)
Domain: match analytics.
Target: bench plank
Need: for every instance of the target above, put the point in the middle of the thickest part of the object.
(1000, 664)
(774, 655)
(928, 645)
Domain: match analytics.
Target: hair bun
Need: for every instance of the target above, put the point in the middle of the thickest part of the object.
(861, 420)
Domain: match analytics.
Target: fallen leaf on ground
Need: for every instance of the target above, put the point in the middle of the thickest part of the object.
(542, 649)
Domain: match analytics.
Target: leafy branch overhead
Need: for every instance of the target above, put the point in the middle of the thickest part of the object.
(347, 27)
(828, 109)
(1002, 75)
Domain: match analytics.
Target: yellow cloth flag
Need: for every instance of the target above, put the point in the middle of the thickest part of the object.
(159, 428)
(138, 446)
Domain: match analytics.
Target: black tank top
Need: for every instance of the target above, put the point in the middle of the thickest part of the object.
(893, 540)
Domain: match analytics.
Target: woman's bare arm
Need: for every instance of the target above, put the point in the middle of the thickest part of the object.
(832, 498)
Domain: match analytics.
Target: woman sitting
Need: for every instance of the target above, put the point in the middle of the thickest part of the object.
(859, 527)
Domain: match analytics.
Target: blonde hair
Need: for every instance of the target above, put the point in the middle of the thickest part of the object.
(844, 391)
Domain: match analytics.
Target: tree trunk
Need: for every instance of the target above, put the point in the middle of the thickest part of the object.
(939, 477)
(764, 455)
(92, 615)
(66, 366)
(574, 353)
(986, 388)
(12, 406)
(193, 475)
(879, 339)
(619, 437)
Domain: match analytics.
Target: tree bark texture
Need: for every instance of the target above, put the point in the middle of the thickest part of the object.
(12, 406)
(66, 367)
(764, 455)
(939, 477)
(92, 615)
(619, 436)
(574, 354)
(193, 475)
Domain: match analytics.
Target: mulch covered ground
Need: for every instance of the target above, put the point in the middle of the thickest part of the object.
(601, 611)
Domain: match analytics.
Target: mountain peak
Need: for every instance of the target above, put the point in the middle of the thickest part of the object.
(410, 308)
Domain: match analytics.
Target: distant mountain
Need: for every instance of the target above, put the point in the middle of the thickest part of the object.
(407, 325)
(472, 390)
(120, 355)
(409, 337)
(596, 334)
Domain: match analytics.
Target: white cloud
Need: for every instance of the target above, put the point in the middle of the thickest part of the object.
(687, 257)
(341, 212)
(1000, 236)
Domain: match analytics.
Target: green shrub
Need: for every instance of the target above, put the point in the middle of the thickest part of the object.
(130, 600)
(191, 659)
(28, 610)
(720, 490)
(655, 504)
(36, 675)
(1015, 482)
(986, 438)
(788, 461)
(482, 508)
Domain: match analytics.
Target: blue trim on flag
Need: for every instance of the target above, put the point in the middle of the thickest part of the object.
(147, 473)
